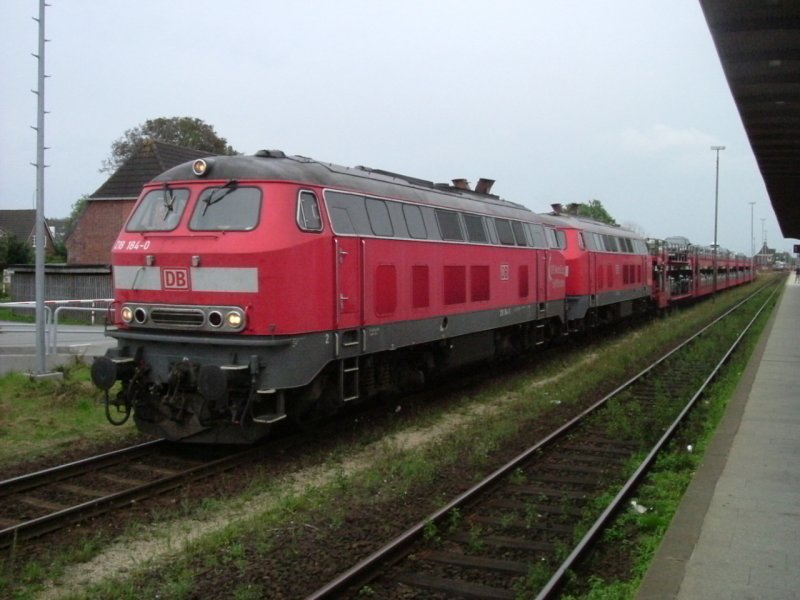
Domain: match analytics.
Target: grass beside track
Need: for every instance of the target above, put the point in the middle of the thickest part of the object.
(46, 417)
(616, 569)
(299, 514)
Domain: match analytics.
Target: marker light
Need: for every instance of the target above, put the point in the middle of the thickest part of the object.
(234, 319)
(127, 314)
(199, 167)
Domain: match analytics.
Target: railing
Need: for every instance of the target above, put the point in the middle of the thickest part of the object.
(53, 308)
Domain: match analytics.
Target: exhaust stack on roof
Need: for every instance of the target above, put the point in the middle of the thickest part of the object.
(484, 186)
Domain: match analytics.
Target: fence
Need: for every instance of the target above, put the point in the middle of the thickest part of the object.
(97, 309)
(62, 281)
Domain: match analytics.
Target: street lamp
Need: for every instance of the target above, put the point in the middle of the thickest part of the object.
(752, 237)
(716, 212)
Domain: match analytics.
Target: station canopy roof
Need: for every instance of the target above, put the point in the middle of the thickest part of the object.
(758, 42)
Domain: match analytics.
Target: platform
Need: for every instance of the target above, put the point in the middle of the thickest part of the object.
(736, 534)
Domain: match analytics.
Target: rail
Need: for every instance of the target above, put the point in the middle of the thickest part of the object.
(394, 552)
(64, 496)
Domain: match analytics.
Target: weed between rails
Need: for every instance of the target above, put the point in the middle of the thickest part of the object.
(615, 569)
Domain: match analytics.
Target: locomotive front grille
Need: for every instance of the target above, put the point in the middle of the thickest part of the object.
(219, 319)
(178, 317)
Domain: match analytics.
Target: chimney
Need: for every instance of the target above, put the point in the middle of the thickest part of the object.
(484, 186)
(557, 208)
(461, 184)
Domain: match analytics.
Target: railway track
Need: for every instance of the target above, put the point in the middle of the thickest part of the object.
(38, 503)
(514, 533)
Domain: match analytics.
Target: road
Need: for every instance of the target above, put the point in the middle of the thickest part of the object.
(18, 345)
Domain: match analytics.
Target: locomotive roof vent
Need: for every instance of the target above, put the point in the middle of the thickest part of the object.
(271, 154)
(461, 184)
(484, 186)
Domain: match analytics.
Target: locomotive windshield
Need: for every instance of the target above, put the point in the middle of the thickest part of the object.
(227, 208)
(160, 210)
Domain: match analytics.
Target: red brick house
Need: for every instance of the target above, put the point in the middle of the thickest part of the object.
(106, 210)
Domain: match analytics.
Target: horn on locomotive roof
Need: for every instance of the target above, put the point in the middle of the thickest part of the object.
(484, 186)
(271, 154)
(461, 184)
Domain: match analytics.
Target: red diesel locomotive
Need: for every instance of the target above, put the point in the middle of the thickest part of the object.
(251, 289)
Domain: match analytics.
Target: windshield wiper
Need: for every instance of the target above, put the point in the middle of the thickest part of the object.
(169, 203)
(226, 189)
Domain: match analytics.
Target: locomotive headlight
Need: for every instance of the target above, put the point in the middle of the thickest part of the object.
(199, 167)
(234, 319)
(127, 314)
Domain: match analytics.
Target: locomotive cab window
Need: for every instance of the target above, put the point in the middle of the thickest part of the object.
(227, 208)
(308, 217)
(159, 210)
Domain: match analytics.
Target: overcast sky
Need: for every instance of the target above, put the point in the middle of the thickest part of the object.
(563, 101)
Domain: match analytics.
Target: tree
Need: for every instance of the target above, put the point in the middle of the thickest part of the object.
(3, 250)
(75, 213)
(14, 252)
(593, 209)
(181, 131)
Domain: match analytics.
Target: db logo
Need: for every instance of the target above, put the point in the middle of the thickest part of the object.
(175, 279)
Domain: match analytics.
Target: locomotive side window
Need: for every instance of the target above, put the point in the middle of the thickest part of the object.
(379, 219)
(348, 213)
(552, 241)
(431, 225)
(414, 221)
(539, 239)
(398, 220)
(492, 231)
(227, 208)
(159, 210)
(308, 217)
(562, 239)
(610, 243)
(449, 225)
(476, 232)
(341, 220)
(504, 232)
(519, 233)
